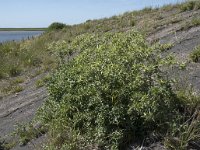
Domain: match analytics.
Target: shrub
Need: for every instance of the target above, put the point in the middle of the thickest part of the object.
(112, 93)
(195, 55)
(56, 26)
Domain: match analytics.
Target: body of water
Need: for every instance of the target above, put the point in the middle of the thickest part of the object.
(17, 35)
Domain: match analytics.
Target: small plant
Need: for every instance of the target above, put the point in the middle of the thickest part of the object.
(167, 46)
(17, 89)
(12, 89)
(39, 83)
(14, 71)
(184, 136)
(18, 80)
(195, 55)
(1, 144)
(27, 132)
(195, 21)
(42, 82)
(6, 146)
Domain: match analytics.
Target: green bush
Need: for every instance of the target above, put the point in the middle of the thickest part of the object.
(195, 55)
(112, 93)
(56, 26)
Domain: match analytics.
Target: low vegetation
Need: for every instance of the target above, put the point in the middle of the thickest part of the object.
(16, 58)
(196, 21)
(195, 55)
(42, 82)
(27, 132)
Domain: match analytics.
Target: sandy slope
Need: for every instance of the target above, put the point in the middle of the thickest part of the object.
(20, 107)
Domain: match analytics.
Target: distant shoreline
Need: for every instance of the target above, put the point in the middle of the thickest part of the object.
(23, 29)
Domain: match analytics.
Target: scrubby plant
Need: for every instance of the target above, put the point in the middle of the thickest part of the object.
(113, 93)
(14, 71)
(185, 135)
(185, 132)
(17, 89)
(196, 21)
(18, 80)
(41, 82)
(166, 46)
(27, 132)
(195, 55)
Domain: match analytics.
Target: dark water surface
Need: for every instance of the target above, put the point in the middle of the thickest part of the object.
(17, 35)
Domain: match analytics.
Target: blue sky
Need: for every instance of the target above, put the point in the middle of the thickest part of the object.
(41, 13)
